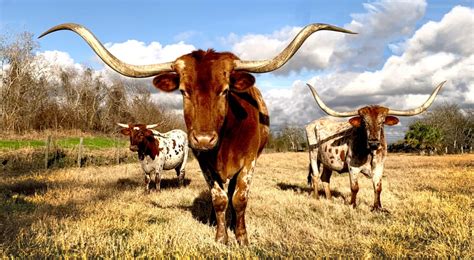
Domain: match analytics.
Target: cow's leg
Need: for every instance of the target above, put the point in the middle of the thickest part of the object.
(181, 170)
(219, 202)
(158, 170)
(240, 200)
(377, 182)
(158, 180)
(147, 182)
(353, 173)
(230, 196)
(206, 173)
(325, 178)
(313, 175)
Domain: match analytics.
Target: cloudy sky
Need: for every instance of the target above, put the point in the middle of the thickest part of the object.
(402, 50)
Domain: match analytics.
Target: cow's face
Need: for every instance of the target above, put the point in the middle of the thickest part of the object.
(372, 119)
(204, 79)
(138, 133)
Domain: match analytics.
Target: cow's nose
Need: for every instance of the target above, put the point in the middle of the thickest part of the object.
(203, 140)
(374, 144)
(133, 148)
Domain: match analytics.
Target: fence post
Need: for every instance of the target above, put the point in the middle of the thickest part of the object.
(117, 152)
(46, 155)
(79, 153)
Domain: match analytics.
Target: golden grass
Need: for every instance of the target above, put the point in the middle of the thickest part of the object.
(103, 212)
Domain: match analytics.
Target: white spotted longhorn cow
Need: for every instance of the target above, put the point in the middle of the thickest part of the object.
(158, 151)
(356, 146)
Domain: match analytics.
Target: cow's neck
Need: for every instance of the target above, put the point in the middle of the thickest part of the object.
(149, 147)
(360, 142)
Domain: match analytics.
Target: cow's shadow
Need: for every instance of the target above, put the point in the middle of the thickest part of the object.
(172, 183)
(128, 183)
(203, 211)
(302, 190)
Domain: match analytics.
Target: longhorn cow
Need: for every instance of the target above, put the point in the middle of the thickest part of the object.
(226, 118)
(158, 151)
(357, 146)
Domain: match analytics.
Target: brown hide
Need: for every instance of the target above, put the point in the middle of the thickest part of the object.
(141, 140)
(228, 126)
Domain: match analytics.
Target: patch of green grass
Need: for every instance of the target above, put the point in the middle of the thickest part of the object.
(70, 142)
(17, 144)
(92, 142)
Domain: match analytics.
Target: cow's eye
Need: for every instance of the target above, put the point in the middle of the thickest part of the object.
(184, 93)
(224, 92)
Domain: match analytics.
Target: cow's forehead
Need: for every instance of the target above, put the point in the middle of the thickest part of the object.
(138, 127)
(373, 111)
(205, 61)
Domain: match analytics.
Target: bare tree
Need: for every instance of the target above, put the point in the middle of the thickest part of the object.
(36, 95)
(455, 124)
(22, 94)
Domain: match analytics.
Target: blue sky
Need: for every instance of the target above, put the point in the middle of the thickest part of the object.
(164, 21)
(403, 48)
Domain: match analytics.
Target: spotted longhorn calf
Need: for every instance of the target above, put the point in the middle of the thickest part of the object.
(357, 146)
(158, 151)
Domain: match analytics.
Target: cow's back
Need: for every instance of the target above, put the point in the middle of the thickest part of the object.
(333, 142)
(264, 118)
(172, 146)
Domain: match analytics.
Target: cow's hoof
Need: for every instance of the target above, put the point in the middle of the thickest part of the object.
(223, 239)
(243, 240)
(380, 209)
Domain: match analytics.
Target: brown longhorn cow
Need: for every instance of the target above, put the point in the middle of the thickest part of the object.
(356, 146)
(226, 118)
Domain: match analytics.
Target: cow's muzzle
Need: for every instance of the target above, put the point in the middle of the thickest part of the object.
(134, 148)
(203, 141)
(373, 144)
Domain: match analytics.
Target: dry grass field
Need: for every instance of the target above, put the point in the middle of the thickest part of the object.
(103, 212)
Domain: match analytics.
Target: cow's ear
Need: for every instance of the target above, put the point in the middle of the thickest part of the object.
(355, 121)
(391, 120)
(125, 131)
(240, 81)
(148, 132)
(167, 81)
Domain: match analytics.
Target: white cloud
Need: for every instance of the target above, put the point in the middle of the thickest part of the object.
(138, 53)
(379, 28)
(51, 63)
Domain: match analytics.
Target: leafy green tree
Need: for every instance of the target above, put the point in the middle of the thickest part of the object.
(422, 136)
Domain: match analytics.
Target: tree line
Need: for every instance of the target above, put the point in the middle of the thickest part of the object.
(444, 129)
(32, 99)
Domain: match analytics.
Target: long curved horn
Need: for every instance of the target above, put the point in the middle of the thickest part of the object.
(123, 125)
(421, 108)
(275, 63)
(328, 110)
(134, 71)
(151, 126)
